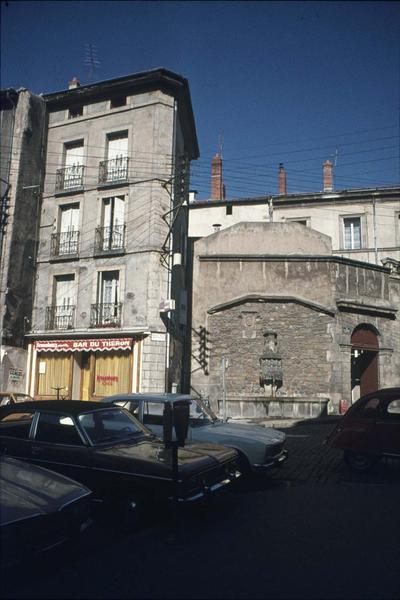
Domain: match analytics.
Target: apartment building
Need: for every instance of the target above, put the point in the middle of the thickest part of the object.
(110, 293)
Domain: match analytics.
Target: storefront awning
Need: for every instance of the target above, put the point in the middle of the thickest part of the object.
(84, 345)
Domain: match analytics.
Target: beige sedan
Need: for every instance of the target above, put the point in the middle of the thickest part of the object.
(13, 397)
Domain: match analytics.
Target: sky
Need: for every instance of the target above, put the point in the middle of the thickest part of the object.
(271, 82)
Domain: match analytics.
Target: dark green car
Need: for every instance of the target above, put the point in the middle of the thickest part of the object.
(110, 451)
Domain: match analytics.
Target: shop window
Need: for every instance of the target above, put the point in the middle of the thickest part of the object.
(112, 373)
(54, 373)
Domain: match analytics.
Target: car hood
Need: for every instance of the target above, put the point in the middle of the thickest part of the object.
(28, 490)
(240, 431)
(152, 458)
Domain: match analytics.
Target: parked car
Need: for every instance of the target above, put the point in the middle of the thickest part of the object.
(260, 448)
(370, 429)
(110, 451)
(39, 509)
(12, 397)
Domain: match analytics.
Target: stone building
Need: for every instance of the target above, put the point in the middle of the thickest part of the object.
(282, 326)
(363, 224)
(110, 299)
(21, 166)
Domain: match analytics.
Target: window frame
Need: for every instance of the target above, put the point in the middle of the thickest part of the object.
(348, 217)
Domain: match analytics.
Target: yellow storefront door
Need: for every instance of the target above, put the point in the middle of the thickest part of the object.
(85, 376)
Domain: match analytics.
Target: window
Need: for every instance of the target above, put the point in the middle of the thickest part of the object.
(300, 221)
(229, 209)
(54, 370)
(65, 242)
(118, 101)
(107, 310)
(75, 111)
(16, 425)
(71, 176)
(60, 315)
(352, 233)
(394, 408)
(111, 233)
(57, 429)
(115, 168)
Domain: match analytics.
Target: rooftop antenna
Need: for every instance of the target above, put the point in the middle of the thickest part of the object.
(91, 60)
(221, 143)
(335, 157)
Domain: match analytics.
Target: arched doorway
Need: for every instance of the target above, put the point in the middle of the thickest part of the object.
(364, 361)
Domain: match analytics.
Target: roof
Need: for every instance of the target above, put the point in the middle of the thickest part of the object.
(351, 195)
(73, 407)
(154, 79)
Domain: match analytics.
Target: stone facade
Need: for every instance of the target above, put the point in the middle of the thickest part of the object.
(284, 279)
(130, 272)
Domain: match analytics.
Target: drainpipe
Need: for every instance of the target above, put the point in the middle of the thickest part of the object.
(170, 243)
(374, 221)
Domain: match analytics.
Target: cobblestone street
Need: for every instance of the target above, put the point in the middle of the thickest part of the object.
(310, 461)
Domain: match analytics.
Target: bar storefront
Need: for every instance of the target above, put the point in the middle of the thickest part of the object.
(84, 369)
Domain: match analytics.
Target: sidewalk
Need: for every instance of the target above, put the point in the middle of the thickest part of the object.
(282, 423)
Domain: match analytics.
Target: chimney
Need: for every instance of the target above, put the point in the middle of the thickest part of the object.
(217, 184)
(74, 83)
(328, 177)
(282, 179)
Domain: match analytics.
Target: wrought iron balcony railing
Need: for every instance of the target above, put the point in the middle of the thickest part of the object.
(114, 170)
(65, 243)
(70, 178)
(107, 314)
(60, 317)
(109, 239)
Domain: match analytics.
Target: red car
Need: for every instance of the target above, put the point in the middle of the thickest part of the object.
(370, 430)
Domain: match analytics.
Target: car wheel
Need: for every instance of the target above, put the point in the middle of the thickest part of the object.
(358, 461)
(244, 465)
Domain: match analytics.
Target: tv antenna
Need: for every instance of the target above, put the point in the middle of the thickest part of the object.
(335, 157)
(221, 143)
(91, 60)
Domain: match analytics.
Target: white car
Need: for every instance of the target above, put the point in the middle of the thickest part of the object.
(260, 448)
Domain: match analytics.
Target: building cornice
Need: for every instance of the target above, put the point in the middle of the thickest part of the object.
(262, 298)
(290, 258)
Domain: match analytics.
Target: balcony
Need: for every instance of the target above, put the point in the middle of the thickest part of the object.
(64, 244)
(113, 171)
(70, 178)
(60, 317)
(106, 315)
(109, 240)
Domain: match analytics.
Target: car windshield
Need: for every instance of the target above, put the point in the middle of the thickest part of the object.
(200, 413)
(111, 425)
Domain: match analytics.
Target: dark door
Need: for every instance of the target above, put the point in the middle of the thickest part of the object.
(364, 363)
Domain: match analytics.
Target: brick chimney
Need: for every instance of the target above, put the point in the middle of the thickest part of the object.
(74, 83)
(328, 177)
(282, 179)
(217, 183)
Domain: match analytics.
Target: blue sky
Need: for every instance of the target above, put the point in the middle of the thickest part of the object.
(291, 82)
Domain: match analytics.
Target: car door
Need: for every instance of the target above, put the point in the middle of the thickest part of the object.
(15, 428)
(58, 445)
(388, 428)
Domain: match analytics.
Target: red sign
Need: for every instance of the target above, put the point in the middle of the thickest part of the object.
(94, 345)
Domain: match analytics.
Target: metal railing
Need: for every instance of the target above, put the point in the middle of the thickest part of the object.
(109, 239)
(69, 178)
(106, 314)
(114, 170)
(60, 317)
(65, 243)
